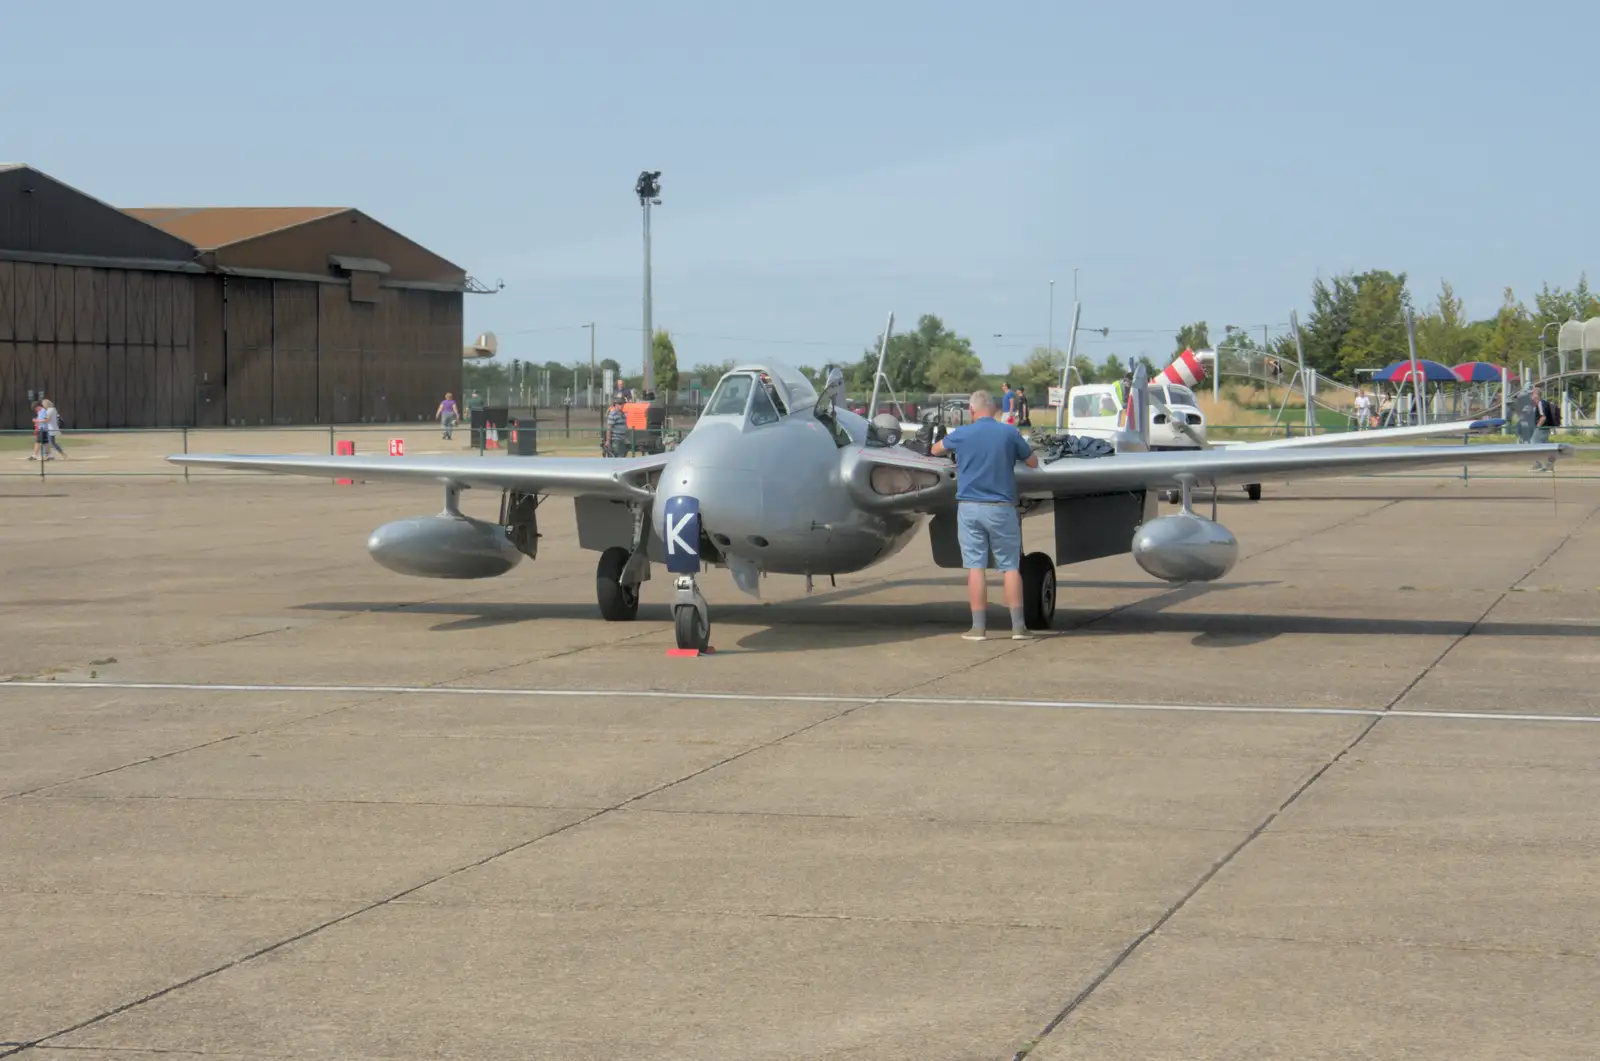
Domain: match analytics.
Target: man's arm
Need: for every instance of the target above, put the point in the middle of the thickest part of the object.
(1024, 452)
(942, 447)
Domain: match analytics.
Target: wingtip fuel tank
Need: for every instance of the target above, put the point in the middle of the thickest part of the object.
(1185, 548)
(443, 546)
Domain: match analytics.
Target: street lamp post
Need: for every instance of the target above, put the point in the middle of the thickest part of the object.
(588, 393)
(648, 189)
(1051, 337)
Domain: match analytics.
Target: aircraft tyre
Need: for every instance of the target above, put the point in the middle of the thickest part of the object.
(1253, 491)
(618, 603)
(1038, 591)
(690, 631)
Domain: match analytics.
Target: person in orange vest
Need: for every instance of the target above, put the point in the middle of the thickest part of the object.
(655, 422)
(637, 415)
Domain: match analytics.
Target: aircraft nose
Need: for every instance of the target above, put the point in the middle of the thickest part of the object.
(727, 499)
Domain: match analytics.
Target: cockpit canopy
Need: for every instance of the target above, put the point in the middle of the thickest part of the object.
(762, 394)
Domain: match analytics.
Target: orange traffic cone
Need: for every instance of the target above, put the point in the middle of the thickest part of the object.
(492, 437)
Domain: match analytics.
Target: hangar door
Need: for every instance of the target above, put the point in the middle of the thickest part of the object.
(111, 347)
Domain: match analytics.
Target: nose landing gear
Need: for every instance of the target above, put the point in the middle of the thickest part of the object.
(691, 620)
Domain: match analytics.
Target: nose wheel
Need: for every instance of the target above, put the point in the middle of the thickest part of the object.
(691, 619)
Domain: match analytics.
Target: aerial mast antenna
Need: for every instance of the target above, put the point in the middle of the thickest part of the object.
(877, 376)
(1072, 353)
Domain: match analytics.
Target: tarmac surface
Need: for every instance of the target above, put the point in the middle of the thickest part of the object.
(261, 798)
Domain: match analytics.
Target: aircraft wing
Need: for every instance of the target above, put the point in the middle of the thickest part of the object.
(1346, 439)
(902, 480)
(1158, 470)
(622, 478)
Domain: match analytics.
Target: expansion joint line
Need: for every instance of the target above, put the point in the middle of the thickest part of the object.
(1266, 823)
(9, 1049)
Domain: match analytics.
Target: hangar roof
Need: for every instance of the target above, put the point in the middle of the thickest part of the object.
(210, 227)
(305, 242)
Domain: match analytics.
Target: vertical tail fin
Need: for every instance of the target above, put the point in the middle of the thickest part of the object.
(1137, 420)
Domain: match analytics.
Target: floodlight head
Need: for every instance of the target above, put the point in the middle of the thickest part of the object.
(648, 187)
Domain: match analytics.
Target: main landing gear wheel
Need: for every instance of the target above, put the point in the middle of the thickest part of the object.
(1038, 591)
(690, 631)
(618, 603)
(1253, 491)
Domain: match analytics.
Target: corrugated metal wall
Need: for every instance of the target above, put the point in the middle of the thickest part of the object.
(110, 347)
(126, 348)
(247, 341)
(294, 352)
(210, 355)
(297, 352)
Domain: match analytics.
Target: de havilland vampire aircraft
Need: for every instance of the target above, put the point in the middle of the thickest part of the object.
(777, 479)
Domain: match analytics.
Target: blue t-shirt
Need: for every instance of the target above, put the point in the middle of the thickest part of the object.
(986, 453)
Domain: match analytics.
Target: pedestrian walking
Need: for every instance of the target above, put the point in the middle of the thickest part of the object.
(41, 433)
(446, 413)
(1544, 416)
(987, 522)
(52, 426)
(1363, 410)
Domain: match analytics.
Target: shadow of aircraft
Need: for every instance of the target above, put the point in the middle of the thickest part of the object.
(795, 624)
(801, 624)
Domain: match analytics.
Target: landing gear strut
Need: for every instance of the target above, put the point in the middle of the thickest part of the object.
(691, 620)
(1038, 591)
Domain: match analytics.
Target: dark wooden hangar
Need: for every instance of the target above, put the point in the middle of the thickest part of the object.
(213, 316)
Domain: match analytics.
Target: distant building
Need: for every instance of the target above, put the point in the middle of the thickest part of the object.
(207, 316)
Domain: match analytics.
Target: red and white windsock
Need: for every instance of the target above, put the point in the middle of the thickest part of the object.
(1186, 371)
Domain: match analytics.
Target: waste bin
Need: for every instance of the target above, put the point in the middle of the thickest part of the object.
(525, 438)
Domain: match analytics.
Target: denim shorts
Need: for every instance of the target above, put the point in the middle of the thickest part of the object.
(989, 530)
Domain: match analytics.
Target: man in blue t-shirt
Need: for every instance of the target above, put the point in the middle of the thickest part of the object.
(986, 453)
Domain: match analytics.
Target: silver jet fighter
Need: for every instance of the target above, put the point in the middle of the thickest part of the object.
(775, 478)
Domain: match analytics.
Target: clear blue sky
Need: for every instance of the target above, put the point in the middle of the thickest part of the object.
(824, 163)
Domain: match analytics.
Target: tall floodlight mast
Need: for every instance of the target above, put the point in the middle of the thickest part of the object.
(648, 189)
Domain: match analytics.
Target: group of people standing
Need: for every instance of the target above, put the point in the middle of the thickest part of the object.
(46, 431)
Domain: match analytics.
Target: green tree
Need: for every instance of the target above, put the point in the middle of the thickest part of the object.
(911, 355)
(1111, 369)
(954, 371)
(1196, 336)
(1377, 332)
(1443, 333)
(664, 360)
(710, 375)
(1040, 371)
(1512, 336)
(1238, 352)
(1086, 370)
(1332, 306)
(1557, 305)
